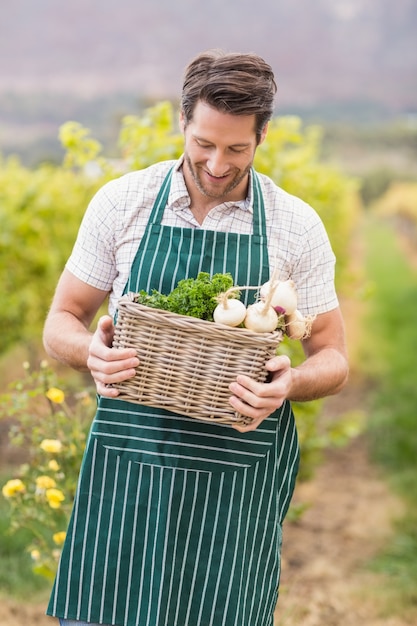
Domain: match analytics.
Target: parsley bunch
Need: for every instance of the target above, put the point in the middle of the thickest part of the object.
(195, 297)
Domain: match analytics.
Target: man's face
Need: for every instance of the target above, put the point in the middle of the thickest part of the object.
(219, 152)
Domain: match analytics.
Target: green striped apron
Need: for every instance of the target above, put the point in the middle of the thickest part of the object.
(177, 522)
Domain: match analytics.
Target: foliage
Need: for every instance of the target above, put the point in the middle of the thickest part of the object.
(150, 138)
(375, 183)
(192, 296)
(51, 426)
(81, 149)
(389, 358)
(40, 211)
(16, 575)
(400, 201)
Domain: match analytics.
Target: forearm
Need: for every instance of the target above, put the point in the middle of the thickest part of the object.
(322, 374)
(66, 335)
(67, 340)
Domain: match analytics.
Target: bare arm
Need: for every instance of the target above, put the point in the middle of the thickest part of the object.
(325, 370)
(323, 373)
(68, 339)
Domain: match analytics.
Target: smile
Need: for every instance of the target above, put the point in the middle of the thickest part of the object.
(222, 177)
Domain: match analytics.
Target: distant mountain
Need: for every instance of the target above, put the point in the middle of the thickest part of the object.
(322, 50)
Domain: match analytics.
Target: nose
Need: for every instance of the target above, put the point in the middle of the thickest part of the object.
(216, 163)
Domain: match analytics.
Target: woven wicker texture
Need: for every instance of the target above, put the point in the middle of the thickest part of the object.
(187, 364)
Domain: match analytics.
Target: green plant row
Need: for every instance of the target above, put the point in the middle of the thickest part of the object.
(389, 357)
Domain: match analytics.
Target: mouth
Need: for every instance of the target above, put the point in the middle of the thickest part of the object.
(216, 179)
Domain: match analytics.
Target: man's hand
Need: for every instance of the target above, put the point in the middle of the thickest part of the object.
(258, 400)
(109, 365)
(324, 372)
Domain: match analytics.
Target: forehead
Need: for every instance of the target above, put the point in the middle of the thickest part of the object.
(208, 122)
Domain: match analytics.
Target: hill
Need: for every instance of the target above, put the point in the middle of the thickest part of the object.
(323, 50)
(94, 60)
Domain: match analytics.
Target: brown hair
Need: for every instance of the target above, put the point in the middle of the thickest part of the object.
(236, 83)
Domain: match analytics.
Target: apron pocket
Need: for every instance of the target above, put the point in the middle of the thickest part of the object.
(164, 439)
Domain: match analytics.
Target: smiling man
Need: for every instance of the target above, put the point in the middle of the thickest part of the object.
(219, 152)
(178, 523)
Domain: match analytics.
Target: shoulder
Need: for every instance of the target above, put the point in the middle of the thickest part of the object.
(143, 182)
(284, 209)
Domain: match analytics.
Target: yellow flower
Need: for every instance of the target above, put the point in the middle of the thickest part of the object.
(45, 482)
(53, 465)
(54, 497)
(51, 445)
(12, 487)
(35, 554)
(55, 395)
(59, 538)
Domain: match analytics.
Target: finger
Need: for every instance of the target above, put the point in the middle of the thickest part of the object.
(106, 391)
(245, 428)
(281, 362)
(115, 359)
(243, 383)
(113, 371)
(109, 362)
(249, 389)
(256, 408)
(105, 328)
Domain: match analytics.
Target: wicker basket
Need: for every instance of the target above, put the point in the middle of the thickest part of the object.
(187, 364)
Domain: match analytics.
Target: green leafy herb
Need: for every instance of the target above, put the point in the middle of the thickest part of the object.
(195, 297)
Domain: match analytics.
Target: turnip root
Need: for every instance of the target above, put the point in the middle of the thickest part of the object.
(261, 318)
(282, 294)
(297, 326)
(229, 311)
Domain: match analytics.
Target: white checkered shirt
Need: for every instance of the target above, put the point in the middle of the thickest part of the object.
(116, 218)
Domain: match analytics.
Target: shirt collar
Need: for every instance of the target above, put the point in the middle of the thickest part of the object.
(179, 197)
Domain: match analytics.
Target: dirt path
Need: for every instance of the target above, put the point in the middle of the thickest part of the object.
(325, 580)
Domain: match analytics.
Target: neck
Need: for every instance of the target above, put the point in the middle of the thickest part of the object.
(201, 203)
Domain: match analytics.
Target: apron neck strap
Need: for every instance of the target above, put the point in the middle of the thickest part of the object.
(259, 221)
(259, 225)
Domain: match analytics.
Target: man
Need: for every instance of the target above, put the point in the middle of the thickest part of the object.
(178, 522)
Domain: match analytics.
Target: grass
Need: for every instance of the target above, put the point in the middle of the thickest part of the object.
(390, 354)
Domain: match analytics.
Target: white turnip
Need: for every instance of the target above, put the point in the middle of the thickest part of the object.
(297, 326)
(229, 311)
(261, 318)
(281, 294)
